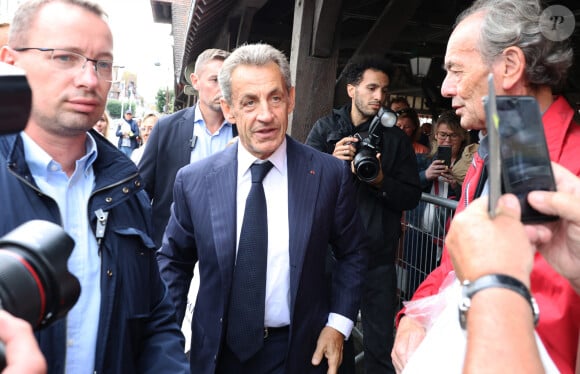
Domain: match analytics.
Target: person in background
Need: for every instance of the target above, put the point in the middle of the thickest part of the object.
(408, 121)
(147, 123)
(184, 137)
(102, 125)
(436, 177)
(300, 322)
(500, 323)
(20, 350)
(128, 134)
(399, 103)
(426, 131)
(423, 248)
(60, 170)
(381, 200)
(505, 38)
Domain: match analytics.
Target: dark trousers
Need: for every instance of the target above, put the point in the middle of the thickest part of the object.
(378, 316)
(270, 359)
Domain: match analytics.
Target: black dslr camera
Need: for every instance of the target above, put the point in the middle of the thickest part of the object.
(366, 164)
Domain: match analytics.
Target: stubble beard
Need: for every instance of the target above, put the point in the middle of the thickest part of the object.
(365, 113)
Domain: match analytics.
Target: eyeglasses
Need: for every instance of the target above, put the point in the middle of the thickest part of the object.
(444, 135)
(67, 60)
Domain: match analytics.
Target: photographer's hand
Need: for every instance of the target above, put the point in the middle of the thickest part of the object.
(378, 181)
(344, 149)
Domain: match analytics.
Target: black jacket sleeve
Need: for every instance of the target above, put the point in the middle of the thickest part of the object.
(400, 189)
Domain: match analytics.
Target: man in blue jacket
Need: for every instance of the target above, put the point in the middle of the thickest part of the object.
(60, 170)
(128, 133)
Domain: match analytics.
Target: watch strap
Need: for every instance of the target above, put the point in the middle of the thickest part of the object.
(469, 289)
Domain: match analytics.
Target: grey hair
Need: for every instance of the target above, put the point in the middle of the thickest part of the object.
(26, 13)
(208, 55)
(252, 55)
(509, 23)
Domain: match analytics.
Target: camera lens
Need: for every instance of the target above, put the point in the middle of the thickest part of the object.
(35, 284)
(366, 165)
(22, 293)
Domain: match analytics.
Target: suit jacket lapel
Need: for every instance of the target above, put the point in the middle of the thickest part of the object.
(303, 185)
(221, 182)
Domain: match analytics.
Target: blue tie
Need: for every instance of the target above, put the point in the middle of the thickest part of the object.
(245, 332)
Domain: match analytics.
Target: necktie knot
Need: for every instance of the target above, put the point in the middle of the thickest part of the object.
(259, 171)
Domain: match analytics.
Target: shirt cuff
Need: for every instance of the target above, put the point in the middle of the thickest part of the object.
(340, 323)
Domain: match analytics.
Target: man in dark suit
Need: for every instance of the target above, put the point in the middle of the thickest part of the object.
(186, 136)
(309, 203)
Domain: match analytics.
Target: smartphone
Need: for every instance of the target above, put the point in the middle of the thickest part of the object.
(444, 153)
(525, 161)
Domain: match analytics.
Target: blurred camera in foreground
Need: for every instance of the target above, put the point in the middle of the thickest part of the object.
(15, 99)
(35, 284)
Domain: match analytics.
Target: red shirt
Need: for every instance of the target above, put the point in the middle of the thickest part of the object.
(559, 305)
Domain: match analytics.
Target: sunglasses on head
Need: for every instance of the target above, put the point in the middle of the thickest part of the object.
(404, 111)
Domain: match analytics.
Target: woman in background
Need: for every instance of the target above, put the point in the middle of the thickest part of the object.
(422, 248)
(408, 121)
(147, 123)
(102, 125)
(446, 180)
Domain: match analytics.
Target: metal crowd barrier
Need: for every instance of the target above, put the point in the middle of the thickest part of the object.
(421, 242)
(423, 232)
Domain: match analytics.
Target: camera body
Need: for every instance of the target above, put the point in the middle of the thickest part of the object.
(15, 99)
(366, 164)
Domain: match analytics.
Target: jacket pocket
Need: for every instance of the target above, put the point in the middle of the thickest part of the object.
(137, 272)
(136, 335)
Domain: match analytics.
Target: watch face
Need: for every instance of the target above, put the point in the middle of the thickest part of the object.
(464, 305)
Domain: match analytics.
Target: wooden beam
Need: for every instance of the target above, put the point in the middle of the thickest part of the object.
(326, 15)
(314, 76)
(245, 25)
(385, 31)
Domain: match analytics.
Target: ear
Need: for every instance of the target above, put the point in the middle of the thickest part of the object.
(7, 55)
(513, 68)
(227, 111)
(193, 78)
(350, 89)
